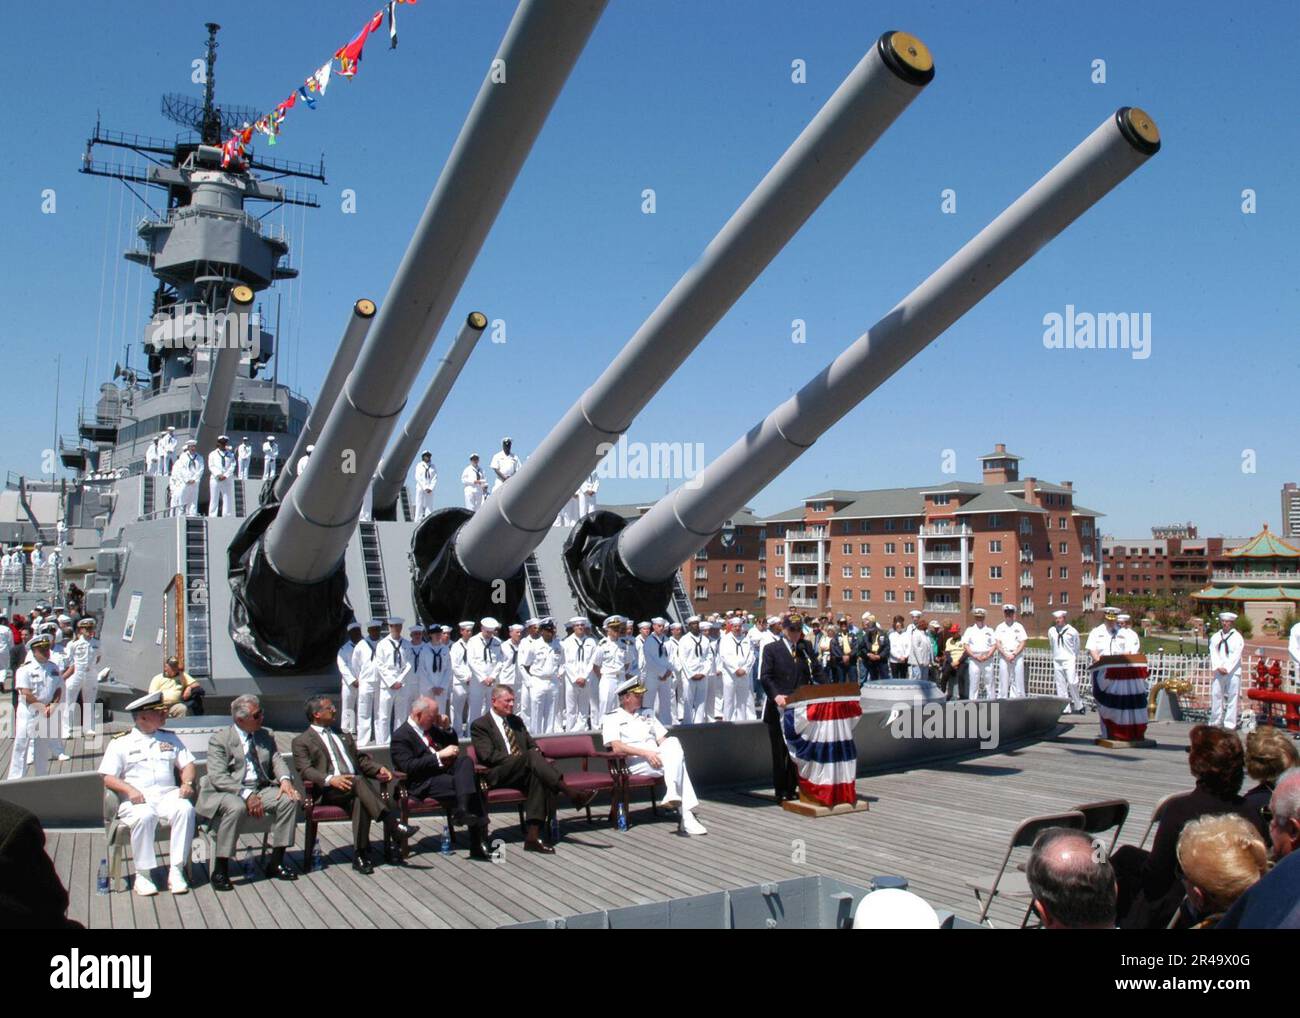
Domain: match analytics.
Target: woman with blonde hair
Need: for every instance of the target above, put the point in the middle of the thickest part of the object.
(1269, 752)
(1220, 859)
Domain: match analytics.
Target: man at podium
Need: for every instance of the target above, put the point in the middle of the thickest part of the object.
(788, 663)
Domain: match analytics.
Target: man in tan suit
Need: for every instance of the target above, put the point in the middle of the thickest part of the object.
(342, 777)
(247, 777)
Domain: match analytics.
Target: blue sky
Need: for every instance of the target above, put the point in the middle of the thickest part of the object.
(695, 100)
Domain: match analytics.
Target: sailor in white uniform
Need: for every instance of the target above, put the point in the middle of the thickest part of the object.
(243, 457)
(1012, 638)
(430, 673)
(187, 472)
(981, 645)
(426, 479)
(504, 464)
(737, 654)
(1226, 647)
(485, 658)
(395, 666)
(221, 479)
(712, 630)
(695, 659)
(656, 663)
(544, 668)
(304, 459)
(81, 680)
(587, 496)
(632, 730)
(167, 447)
(461, 677)
(151, 458)
(37, 723)
(140, 767)
(1293, 651)
(760, 637)
(1131, 643)
(270, 457)
(580, 675)
(473, 483)
(348, 679)
(673, 646)
(615, 661)
(512, 674)
(363, 667)
(1063, 640)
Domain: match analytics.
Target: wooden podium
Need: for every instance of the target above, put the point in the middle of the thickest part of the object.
(806, 805)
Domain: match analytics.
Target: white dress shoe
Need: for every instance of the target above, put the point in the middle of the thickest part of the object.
(64, 758)
(144, 886)
(690, 825)
(176, 882)
(670, 804)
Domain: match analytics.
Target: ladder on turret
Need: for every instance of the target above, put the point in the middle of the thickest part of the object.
(535, 590)
(681, 603)
(240, 509)
(148, 496)
(405, 498)
(376, 588)
(198, 639)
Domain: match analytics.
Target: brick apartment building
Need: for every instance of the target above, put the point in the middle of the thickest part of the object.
(943, 549)
(1173, 562)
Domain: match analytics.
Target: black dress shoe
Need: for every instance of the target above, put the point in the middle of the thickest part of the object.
(221, 882)
(281, 872)
(363, 866)
(538, 846)
(404, 830)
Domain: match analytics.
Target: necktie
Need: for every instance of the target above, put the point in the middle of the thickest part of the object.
(510, 737)
(1223, 644)
(250, 750)
(342, 761)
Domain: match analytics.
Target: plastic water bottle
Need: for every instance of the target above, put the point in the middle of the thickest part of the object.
(555, 828)
(317, 859)
(445, 846)
(250, 867)
(101, 879)
(622, 817)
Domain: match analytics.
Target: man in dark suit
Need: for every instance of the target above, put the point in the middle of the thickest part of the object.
(503, 745)
(787, 664)
(247, 777)
(426, 750)
(330, 761)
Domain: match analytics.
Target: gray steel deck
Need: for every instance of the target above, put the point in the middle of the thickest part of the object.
(935, 825)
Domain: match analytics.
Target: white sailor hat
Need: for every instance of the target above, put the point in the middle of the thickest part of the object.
(693, 618)
(394, 620)
(1227, 616)
(643, 625)
(579, 620)
(425, 453)
(507, 438)
(244, 439)
(448, 630)
(489, 623)
(516, 627)
(354, 624)
(868, 616)
(417, 628)
(1124, 617)
(310, 448)
(532, 622)
(190, 442)
(223, 438)
(774, 620)
(171, 427)
(1060, 613)
(979, 611)
(150, 701)
(473, 455)
(270, 438)
(378, 622)
(65, 618)
(632, 685)
(706, 626)
(916, 614)
(547, 623)
(466, 625)
(659, 620)
(675, 625)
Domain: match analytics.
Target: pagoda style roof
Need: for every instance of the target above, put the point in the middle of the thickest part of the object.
(1265, 544)
(1238, 593)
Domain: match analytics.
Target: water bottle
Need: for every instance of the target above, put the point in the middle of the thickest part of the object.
(101, 879)
(555, 828)
(622, 816)
(317, 859)
(250, 867)
(445, 846)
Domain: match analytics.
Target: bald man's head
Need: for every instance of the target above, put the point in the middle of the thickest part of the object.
(1072, 881)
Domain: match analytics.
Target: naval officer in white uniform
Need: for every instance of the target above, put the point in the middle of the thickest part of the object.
(638, 733)
(140, 767)
(40, 690)
(981, 644)
(1011, 638)
(504, 464)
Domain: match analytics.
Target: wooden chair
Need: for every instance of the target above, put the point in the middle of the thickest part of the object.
(315, 813)
(117, 838)
(580, 747)
(498, 796)
(1015, 884)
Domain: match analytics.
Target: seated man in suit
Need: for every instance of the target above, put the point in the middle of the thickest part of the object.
(426, 750)
(787, 664)
(503, 745)
(248, 777)
(330, 761)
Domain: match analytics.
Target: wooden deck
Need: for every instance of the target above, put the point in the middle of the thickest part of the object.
(935, 825)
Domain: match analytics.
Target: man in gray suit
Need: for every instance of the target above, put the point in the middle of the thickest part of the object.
(247, 778)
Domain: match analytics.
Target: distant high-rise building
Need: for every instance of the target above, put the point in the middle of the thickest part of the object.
(1290, 510)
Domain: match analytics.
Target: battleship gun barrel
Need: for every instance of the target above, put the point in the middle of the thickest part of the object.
(393, 467)
(363, 313)
(497, 540)
(306, 541)
(222, 369)
(653, 547)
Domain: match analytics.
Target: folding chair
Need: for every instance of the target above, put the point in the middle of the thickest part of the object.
(1156, 814)
(1098, 818)
(1016, 884)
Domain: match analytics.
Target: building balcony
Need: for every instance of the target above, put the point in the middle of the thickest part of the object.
(940, 556)
(942, 581)
(1088, 581)
(806, 535)
(799, 601)
(1088, 557)
(804, 557)
(942, 608)
(945, 530)
(1026, 581)
(1026, 556)
(1270, 578)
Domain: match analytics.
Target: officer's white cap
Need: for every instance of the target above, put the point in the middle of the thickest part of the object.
(394, 620)
(979, 611)
(171, 427)
(1008, 607)
(147, 702)
(489, 623)
(68, 618)
(629, 686)
(892, 908)
(1059, 614)
(1227, 616)
(39, 640)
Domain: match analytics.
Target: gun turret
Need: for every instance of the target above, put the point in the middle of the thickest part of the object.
(358, 327)
(630, 568)
(286, 564)
(394, 465)
(461, 563)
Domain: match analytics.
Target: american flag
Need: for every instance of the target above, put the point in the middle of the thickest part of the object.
(1119, 685)
(819, 734)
